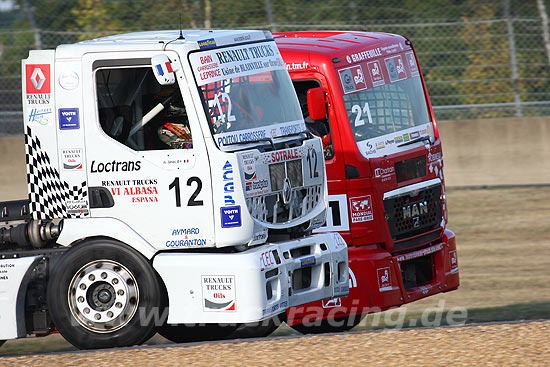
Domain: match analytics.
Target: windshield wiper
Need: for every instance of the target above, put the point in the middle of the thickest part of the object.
(422, 138)
(253, 141)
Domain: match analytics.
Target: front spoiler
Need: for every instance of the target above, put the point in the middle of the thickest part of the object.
(376, 283)
(255, 284)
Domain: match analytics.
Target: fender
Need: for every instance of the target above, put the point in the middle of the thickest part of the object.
(76, 229)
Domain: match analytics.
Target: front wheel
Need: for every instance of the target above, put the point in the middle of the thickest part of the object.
(2, 342)
(104, 294)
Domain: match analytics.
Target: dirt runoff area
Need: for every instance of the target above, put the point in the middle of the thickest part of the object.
(496, 344)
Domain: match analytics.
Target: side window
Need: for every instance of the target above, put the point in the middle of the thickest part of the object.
(320, 128)
(135, 110)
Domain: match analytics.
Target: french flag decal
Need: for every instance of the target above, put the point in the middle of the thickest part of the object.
(164, 68)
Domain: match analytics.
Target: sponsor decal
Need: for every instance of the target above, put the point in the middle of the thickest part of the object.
(337, 302)
(208, 43)
(68, 119)
(68, 80)
(434, 157)
(364, 55)
(39, 79)
(353, 79)
(40, 115)
(297, 66)
(260, 237)
(182, 238)
(242, 38)
(398, 139)
(218, 292)
(77, 207)
(375, 71)
(411, 61)
(454, 261)
(218, 64)
(231, 216)
(308, 261)
(406, 137)
(392, 48)
(71, 159)
(5, 270)
(249, 166)
(414, 134)
(243, 136)
(256, 187)
(283, 155)
(396, 68)
(384, 279)
(420, 253)
(361, 209)
(140, 191)
(380, 145)
(267, 260)
(281, 306)
(228, 186)
(384, 172)
(115, 166)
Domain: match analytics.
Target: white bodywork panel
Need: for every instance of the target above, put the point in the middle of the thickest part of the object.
(12, 272)
(226, 288)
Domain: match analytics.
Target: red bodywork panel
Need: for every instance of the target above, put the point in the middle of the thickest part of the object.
(371, 182)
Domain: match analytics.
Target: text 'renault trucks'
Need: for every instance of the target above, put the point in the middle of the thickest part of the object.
(164, 169)
(368, 101)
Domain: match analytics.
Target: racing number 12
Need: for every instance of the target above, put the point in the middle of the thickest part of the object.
(176, 186)
(312, 162)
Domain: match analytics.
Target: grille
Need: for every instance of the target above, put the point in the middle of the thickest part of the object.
(410, 169)
(270, 208)
(279, 171)
(413, 214)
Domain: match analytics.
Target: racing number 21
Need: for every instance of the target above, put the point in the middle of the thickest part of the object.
(176, 186)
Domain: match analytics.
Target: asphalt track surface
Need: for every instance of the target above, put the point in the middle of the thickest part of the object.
(498, 344)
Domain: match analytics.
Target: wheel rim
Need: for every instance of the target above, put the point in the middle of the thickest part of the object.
(103, 296)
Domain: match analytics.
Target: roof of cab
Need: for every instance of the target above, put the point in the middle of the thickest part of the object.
(333, 43)
(152, 40)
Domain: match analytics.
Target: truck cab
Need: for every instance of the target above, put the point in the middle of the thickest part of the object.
(364, 94)
(166, 171)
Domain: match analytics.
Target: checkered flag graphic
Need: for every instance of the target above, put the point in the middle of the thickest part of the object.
(47, 193)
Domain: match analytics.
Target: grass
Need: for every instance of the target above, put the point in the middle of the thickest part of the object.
(503, 240)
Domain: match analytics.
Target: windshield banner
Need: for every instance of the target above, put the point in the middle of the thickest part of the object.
(230, 62)
(389, 143)
(262, 133)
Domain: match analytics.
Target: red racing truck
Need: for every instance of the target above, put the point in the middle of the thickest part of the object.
(364, 94)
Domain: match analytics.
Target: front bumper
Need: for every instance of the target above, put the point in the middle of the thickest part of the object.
(256, 284)
(377, 280)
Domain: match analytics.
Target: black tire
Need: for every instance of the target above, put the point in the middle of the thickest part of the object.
(103, 294)
(258, 329)
(2, 342)
(335, 325)
(196, 333)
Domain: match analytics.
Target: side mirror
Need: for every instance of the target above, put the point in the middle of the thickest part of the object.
(162, 68)
(316, 103)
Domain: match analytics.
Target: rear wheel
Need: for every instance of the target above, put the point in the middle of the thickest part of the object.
(182, 333)
(334, 325)
(104, 294)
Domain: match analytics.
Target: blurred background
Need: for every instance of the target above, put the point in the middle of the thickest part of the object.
(481, 59)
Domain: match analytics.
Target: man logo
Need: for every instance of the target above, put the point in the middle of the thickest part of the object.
(415, 210)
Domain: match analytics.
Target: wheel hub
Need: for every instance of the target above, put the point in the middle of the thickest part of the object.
(103, 296)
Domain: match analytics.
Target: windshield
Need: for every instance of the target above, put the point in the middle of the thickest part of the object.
(247, 92)
(385, 103)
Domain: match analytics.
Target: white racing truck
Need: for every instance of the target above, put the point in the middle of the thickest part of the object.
(173, 187)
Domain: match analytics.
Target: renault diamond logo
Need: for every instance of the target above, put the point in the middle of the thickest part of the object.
(287, 191)
(38, 78)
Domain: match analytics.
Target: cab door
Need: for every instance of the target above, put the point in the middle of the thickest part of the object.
(135, 174)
